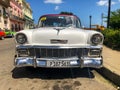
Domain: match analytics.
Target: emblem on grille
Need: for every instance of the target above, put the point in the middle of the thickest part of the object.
(53, 41)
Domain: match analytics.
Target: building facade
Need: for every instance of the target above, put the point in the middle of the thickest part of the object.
(4, 14)
(28, 17)
(16, 15)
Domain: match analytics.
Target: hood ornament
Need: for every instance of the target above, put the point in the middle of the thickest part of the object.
(58, 29)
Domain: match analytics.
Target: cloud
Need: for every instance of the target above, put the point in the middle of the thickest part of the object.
(56, 7)
(53, 1)
(105, 3)
(102, 3)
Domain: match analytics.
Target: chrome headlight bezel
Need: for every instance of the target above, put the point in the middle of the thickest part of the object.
(21, 38)
(96, 39)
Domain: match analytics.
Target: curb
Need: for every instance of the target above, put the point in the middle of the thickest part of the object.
(112, 76)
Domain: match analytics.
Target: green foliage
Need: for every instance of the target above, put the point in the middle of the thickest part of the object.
(115, 19)
(112, 38)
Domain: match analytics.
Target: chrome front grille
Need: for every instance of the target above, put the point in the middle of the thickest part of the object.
(60, 53)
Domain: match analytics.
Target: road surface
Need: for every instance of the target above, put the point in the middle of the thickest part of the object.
(12, 78)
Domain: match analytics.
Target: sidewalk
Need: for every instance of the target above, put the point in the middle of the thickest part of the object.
(111, 65)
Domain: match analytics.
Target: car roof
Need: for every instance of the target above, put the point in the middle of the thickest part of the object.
(58, 15)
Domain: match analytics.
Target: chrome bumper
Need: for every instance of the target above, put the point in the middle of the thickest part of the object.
(74, 62)
(75, 56)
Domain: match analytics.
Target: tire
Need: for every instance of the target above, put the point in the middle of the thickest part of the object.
(2, 38)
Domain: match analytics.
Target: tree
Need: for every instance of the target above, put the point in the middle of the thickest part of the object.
(115, 19)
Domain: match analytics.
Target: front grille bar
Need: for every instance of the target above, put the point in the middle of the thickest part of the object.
(60, 53)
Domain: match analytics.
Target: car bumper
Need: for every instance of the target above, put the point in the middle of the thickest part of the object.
(73, 62)
(9, 35)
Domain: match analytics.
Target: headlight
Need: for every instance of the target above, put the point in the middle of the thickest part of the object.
(21, 38)
(96, 39)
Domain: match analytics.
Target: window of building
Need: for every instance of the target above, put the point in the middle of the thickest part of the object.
(0, 14)
(0, 19)
(15, 9)
(0, 11)
(5, 22)
(11, 10)
(4, 10)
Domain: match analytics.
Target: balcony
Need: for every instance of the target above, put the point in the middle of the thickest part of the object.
(26, 18)
(16, 18)
(16, 3)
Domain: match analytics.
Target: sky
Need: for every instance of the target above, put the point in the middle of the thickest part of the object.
(82, 8)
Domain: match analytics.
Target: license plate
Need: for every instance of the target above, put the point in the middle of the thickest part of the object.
(58, 63)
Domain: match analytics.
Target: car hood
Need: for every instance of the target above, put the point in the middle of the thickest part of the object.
(58, 36)
(55, 36)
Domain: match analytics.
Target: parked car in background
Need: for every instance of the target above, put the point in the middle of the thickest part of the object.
(9, 33)
(59, 42)
(2, 34)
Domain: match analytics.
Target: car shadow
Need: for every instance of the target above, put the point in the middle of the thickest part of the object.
(50, 73)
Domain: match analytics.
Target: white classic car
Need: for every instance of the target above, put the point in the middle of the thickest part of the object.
(59, 42)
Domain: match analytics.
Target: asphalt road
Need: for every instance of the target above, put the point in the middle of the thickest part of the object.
(12, 78)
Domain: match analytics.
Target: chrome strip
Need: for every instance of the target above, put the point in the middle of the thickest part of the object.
(83, 62)
(56, 47)
(70, 58)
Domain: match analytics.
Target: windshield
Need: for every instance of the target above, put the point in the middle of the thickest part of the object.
(59, 21)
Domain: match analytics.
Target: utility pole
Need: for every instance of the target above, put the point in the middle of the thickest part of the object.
(102, 16)
(90, 17)
(109, 9)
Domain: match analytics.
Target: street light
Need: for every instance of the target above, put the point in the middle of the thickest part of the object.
(109, 9)
(90, 17)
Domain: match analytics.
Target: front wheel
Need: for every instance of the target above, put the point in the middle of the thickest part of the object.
(2, 38)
